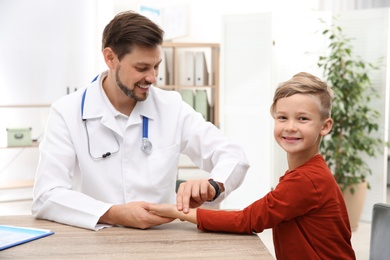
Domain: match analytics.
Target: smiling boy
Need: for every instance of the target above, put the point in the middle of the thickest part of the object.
(306, 210)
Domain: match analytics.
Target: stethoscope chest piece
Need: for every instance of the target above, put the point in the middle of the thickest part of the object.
(146, 146)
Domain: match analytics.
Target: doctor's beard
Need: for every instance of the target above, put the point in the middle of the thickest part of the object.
(129, 92)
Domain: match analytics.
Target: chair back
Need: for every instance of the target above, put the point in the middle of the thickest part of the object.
(380, 232)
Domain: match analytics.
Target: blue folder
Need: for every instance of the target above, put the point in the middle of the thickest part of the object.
(12, 236)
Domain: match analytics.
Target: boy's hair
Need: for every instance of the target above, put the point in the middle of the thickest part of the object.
(127, 29)
(307, 84)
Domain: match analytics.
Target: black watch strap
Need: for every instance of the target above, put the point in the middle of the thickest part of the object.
(217, 189)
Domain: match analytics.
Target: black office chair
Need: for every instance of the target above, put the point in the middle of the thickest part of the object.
(380, 232)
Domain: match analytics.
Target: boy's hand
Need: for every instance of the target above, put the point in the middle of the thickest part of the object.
(164, 210)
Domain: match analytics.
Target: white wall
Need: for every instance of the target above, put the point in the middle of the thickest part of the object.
(205, 16)
(46, 46)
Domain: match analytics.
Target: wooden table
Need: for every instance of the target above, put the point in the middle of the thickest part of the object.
(176, 240)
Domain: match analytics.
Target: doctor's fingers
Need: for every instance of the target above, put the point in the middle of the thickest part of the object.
(148, 220)
(180, 196)
(200, 193)
(155, 220)
(191, 193)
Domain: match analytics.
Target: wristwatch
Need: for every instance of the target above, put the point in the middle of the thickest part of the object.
(217, 189)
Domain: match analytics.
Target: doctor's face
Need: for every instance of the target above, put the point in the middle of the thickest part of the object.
(137, 71)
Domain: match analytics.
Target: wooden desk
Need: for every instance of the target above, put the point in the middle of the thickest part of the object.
(176, 240)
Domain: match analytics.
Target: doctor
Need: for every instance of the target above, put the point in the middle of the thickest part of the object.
(113, 147)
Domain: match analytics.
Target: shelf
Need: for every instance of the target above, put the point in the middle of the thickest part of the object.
(33, 145)
(25, 106)
(16, 184)
(189, 45)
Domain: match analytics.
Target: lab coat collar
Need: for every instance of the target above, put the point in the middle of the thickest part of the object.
(146, 108)
(97, 108)
(94, 104)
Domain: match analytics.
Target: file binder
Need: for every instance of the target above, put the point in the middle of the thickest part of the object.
(189, 68)
(169, 65)
(188, 96)
(201, 103)
(163, 72)
(201, 72)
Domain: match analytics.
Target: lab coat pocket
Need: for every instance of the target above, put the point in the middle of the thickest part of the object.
(162, 164)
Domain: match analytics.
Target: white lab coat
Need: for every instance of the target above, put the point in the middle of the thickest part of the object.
(73, 188)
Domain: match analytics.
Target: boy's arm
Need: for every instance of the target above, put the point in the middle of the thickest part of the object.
(170, 211)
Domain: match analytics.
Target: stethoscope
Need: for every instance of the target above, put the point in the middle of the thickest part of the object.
(146, 145)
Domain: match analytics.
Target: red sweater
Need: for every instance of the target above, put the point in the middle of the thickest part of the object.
(306, 211)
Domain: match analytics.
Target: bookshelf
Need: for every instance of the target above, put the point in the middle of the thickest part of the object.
(175, 69)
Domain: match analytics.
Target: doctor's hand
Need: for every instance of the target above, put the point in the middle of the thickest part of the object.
(193, 193)
(133, 214)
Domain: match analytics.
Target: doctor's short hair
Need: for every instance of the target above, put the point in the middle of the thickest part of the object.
(129, 28)
(306, 84)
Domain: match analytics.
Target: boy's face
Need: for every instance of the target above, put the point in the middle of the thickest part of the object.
(298, 125)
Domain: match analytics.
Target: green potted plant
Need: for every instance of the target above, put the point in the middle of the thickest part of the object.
(355, 120)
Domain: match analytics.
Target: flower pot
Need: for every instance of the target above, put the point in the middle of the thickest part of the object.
(354, 203)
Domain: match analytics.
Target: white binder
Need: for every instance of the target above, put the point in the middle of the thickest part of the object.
(163, 73)
(201, 72)
(189, 68)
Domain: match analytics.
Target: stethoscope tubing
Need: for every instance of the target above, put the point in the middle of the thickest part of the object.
(146, 146)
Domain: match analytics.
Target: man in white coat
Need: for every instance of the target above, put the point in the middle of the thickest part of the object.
(113, 147)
